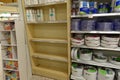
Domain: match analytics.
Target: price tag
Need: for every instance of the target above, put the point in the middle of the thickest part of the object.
(90, 16)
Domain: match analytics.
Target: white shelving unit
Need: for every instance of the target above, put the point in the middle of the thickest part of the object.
(92, 62)
(9, 50)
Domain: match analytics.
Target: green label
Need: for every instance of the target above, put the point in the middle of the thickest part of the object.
(103, 72)
(91, 70)
(51, 14)
(38, 16)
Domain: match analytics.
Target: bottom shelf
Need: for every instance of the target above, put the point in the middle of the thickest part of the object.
(76, 78)
(50, 73)
(12, 75)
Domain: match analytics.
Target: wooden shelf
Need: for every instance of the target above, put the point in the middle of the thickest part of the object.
(8, 44)
(49, 40)
(9, 69)
(49, 57)
(46, 4)
(10, 59)
(8, 9)
(50, 73)
(14, 4)
(8, 21)
(6, 30)
(48, 22)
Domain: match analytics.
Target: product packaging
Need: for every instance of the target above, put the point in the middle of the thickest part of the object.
(90, 73)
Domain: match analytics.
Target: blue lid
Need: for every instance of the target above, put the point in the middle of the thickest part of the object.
(91, 4)
(84, 4)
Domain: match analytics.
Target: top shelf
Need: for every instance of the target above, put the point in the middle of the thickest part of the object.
(46, 4)
(96, 15)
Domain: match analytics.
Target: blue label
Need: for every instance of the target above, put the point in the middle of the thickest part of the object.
(118, 3)
(84, 10)
(93, 10)
(84, 4)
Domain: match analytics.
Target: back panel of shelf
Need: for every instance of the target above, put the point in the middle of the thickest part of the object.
(50, 48)
(48, 31)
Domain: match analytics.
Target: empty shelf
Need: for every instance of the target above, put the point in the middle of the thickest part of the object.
(6, 59)
(46, 4)
(49, 40)
(50, 73)
(9, 69)
(47, 22)
(50, 57)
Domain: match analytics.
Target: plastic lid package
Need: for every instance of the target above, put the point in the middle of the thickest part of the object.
(104, 26)
(87, 25)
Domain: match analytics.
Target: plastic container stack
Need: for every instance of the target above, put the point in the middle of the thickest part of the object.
(75, 24)
(77, 70)
(110, 41)
(116, 24)
(77, 40)
(90, 73)
(99, 57)
(104, 26)
(106, 74)
(92, 40)
(87, 25)
(85, 54)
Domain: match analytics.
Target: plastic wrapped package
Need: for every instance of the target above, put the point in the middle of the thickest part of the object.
(104, 26)
(99, 57)
(106, 74)
(86, 54)
(92, 40)
(110, 41)
(75, 24)
(116, 24)
(87, 25)
(77, 70)
(78, 40)
(90, 73)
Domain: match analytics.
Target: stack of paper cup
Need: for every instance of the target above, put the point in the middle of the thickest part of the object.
(99, 57)
(90, 73)
(118, 75)
(86, 54)
(75, 53)
(77, 40)
(77, 70)
(92, 40)
(106, 74)
(110, 41)
(115, 60)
